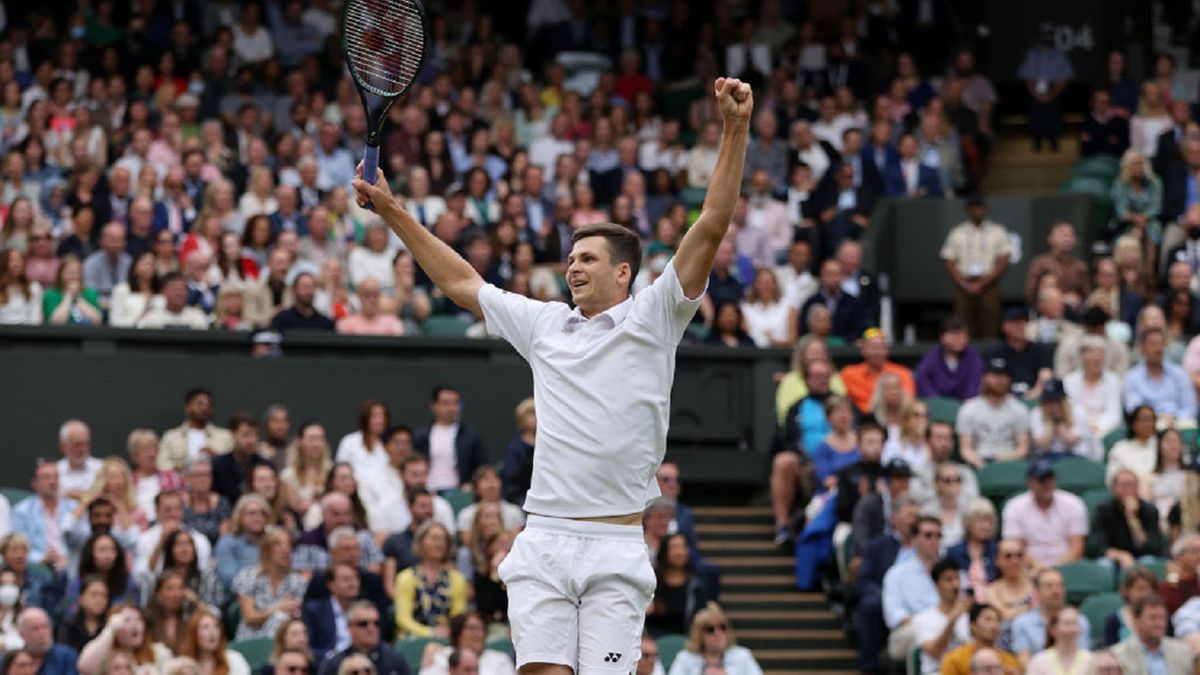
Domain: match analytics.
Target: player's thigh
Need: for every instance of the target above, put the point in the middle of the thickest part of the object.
(543, 618)
(611, 618)
(545, 669)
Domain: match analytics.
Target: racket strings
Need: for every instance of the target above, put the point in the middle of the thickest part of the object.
(384, 44)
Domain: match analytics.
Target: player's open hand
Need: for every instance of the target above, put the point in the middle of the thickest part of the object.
(735, 99)
(378, 195)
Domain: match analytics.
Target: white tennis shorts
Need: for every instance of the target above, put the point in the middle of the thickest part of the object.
(578, 593)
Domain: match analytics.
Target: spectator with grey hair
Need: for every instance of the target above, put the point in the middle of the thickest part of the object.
(148, 479)
(1181, 582)
(77, 469)
(53, 659)
(312, 548)
(344, 548)
(656, 524)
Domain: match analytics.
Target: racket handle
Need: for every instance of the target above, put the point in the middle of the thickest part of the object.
(370, 165)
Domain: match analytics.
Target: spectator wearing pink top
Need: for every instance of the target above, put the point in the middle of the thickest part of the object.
(1053, 523)
(370, 321)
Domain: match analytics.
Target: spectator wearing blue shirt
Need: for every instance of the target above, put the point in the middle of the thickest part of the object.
(908, 588)
(30, 515)
(1160, 384)
(1046, 72)
(1029, 629)
(805, 425)
(839, 448)
(34, 626)
(335, 164)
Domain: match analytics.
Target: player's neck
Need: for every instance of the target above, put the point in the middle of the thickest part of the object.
(600, 308)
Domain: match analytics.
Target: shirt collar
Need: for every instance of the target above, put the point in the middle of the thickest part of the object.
(609, 318)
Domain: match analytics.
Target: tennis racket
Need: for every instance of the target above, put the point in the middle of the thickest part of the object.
(384, 44)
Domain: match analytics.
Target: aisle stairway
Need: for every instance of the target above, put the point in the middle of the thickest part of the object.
(1015, 169)
(788, 631)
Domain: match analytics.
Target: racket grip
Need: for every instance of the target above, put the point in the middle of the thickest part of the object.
(370, 166)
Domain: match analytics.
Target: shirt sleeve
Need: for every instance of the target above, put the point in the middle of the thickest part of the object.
(1079, 520)
(949, 248)
(510, 316)
(665, 308)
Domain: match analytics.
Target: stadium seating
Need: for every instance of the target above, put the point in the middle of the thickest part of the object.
(1097, 607)
(1002, 479)
(943, 409)
(256, 650)
(412, 648)
(668, 647)
(502, 645)
(459, 499)
(14, 494)
(1078, 475)
(1085, 577)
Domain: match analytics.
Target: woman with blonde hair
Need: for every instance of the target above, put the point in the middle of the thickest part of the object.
(239, 548)
(1062, 655)
(205, 642)
(910, 444)
(1137, 198)
(431, 592)
(712, 644)
(308, 467)
(793, 385)
(976, 553)
(269, 593)
(114, 481)
(218, 201)
(888, 402)
(1135, 264)
(1150, 121)
(770, 321)
(259, 197)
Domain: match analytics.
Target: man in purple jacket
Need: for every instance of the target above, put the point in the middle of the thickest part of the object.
(953, 368)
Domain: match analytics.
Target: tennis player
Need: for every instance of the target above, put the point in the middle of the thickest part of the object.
(579, 579)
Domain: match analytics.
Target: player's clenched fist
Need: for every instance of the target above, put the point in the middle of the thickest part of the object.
(735, 98)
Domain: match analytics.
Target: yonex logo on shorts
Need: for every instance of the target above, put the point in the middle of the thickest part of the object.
(612, 657)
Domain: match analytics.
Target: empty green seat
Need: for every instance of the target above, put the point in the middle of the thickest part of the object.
(1097, 608)
(459, 499)
(1002, 479)
(256, 650)
(444, 326)
(943, 409)
(502, 645)
(412, 648)
(668, 647)
(14, 494)
(1084, 578)
(1079, 475)
(1158, 566)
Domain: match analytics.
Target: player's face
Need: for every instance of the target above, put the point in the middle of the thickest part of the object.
(595, 281)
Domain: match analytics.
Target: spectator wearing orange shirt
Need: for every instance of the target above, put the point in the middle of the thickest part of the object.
(860, 378)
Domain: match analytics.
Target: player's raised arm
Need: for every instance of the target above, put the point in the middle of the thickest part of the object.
(448, 270)
(693, 263)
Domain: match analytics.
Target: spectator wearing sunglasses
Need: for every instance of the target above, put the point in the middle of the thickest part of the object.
(290, 662)
(711, 640)
(363, 624)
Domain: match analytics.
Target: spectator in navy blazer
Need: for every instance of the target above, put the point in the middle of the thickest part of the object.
(849, 313)
(365, 639)
(880, 151)
(953, 368)
(910, 177)
(448, 433)
(877, 558)
(327, 619)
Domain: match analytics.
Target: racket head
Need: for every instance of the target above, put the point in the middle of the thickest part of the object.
(384, 43)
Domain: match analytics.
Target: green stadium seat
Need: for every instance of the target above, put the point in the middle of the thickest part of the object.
(693, 197)
(1097, 608)
(1086, 577)
(943, 409)
(1097, 188)
(444, 326)
(1079, 475)
(459, 499)
(1111, 439)
(412, 648)
(256, 650)
(1102, 167)
(14, 494)
(1002, 479)
(1158, 566)
(233, 618)
(1092, 499)
(502, 645)
(913, 665)
(668, 647)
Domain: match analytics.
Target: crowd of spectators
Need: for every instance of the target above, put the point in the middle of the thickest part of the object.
(208, 535)
(186, 164)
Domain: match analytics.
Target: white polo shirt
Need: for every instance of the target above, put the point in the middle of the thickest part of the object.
(603, 393)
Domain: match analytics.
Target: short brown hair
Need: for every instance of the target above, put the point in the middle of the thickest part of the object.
(623, 244)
